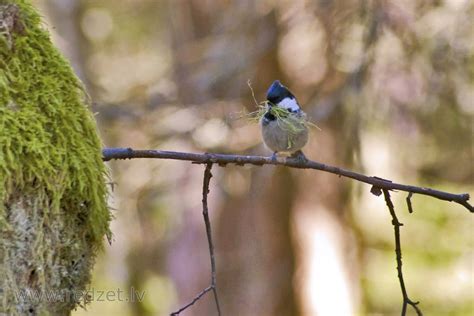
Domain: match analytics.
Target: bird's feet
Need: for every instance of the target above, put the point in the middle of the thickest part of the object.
(274, 157)
(299, 156)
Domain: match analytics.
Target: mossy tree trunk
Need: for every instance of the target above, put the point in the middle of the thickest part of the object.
(53, 211)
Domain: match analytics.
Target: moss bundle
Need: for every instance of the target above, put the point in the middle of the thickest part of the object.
(53, 209)
(294, 124)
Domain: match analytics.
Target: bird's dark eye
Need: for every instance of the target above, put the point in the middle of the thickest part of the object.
(269, 116)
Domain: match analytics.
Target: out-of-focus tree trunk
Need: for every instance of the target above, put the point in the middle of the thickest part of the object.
(257, 257)
(66, 18)
(328, 247)
(254, 249)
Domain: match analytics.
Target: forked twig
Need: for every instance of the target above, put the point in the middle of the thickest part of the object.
(398, 251)
(205, 214)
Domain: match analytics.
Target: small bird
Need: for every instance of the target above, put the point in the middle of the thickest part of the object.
(283, 124)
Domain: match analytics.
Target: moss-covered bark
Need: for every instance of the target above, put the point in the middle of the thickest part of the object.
(53, 211)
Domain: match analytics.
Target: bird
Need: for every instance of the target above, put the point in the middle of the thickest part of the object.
(283, 124)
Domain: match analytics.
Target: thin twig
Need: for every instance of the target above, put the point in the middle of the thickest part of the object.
(205, 191)
(222, 160)
(197, 298)
(205, 214)
(410, 207)
(398, 251)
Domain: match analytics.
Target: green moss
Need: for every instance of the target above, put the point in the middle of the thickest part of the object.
(47, 134)
(50, 158)
(293, 124)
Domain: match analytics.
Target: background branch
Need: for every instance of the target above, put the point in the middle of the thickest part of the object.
(222, 160)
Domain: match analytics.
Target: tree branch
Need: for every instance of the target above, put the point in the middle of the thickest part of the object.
(379, 186)
(398, 251)
(205, 214)
(222, 160)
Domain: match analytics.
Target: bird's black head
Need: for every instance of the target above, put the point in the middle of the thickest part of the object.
(277, 92)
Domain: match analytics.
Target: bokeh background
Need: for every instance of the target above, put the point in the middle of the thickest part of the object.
(390, 84)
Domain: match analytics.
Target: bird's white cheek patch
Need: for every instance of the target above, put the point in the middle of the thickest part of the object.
(289, 104)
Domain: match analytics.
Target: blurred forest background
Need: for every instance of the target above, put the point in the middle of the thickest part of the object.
(390, 84)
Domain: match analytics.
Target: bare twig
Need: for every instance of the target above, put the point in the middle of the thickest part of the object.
(222, 160)
(205, 214)
(205, 191)
(195, 299)
(398, 251)
(410, 208)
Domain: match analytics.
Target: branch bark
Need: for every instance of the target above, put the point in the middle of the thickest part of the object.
(223, 159)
